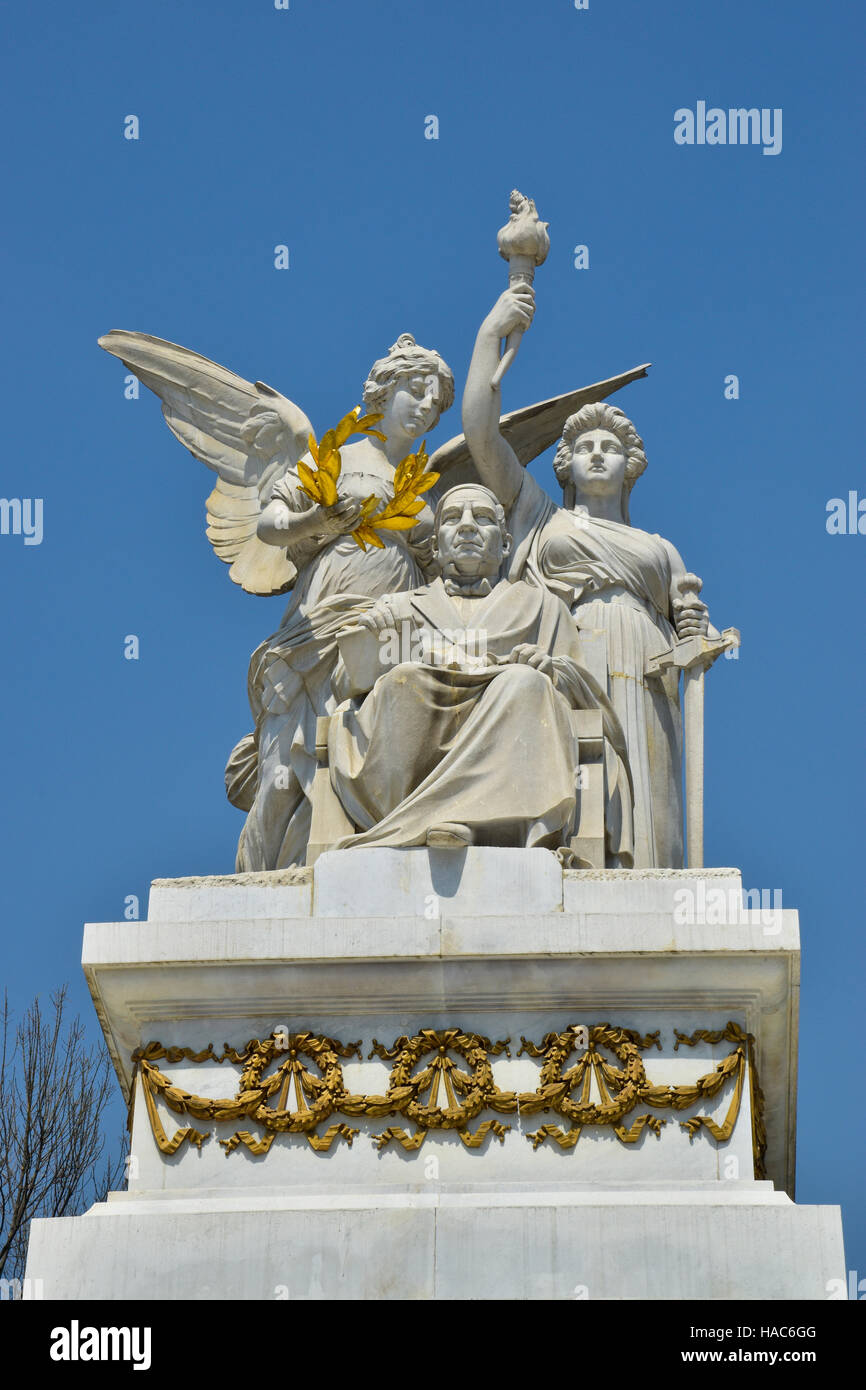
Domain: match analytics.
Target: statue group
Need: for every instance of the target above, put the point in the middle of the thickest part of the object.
(463, 660)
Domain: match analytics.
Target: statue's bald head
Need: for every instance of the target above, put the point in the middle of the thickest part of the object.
(474, 489)
(469, 532)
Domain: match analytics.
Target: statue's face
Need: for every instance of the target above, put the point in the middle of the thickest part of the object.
(413, 405)
(598, 463)
(469, 538)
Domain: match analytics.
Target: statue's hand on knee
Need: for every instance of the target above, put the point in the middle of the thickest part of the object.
(527, 654)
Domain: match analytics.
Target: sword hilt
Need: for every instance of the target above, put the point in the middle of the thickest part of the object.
(689, 586)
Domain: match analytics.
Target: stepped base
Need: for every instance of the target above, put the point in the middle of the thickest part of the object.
(618, 1244)
(422, 1074)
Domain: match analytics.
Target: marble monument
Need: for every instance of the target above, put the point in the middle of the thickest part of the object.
(461, 1023)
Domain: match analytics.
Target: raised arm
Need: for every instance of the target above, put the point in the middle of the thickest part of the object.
(496, 461)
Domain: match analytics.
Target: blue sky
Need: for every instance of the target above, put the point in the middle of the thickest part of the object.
(305, 127)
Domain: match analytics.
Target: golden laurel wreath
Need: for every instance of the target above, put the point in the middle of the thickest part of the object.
(410, 481)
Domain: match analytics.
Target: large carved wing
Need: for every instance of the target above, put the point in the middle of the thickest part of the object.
(245, 431)
(529, 431)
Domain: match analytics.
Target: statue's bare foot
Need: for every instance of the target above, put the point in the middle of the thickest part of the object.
(449, 835)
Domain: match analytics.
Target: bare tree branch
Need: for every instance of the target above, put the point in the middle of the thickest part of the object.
(54, 1091)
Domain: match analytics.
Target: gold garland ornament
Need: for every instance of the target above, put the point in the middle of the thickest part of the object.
(620, 1089)
(744, 1054)
(410, 481)
(467, 1093)
(434, 1092)
(316, 1097)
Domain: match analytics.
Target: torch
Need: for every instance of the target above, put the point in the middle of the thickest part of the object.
(523, 242)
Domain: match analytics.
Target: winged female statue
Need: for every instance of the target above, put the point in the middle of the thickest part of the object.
(263, 524)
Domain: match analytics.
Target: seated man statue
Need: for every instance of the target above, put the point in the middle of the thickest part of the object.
(471, 742)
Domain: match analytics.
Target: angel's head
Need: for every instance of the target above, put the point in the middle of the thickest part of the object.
(600, 454)
(411, 387)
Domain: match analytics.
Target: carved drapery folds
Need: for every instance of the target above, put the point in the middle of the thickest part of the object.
(292, 1083)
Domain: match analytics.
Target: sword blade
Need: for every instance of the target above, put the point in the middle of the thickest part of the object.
(693, 702)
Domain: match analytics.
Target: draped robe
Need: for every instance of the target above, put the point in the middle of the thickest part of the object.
(270, 772)
(491, 748)
(617, 578)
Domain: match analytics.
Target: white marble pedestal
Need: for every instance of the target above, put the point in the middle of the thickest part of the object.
(439, 1125)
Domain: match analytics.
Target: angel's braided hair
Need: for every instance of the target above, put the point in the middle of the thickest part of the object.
(599, 416)
(406, 358)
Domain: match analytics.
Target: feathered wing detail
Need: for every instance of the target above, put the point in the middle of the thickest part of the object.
(529, 431)
(246, 432)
